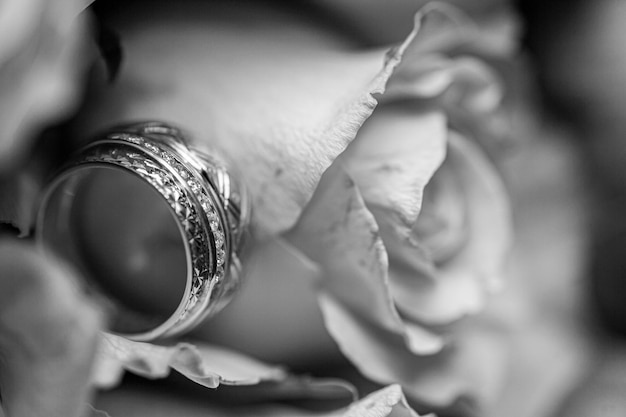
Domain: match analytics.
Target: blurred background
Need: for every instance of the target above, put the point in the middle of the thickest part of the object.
(580, 62)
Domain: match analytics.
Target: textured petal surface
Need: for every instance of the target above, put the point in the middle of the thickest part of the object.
(463, 280)
(205, 364)
(395, 155)
(209, 366)
(48, 336)
(302, 94)
(386, 402)
(440, 222)
(338, 232)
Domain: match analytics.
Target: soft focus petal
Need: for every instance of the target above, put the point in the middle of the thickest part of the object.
(388, 401)
(426, 91)
(338, 232)
(442, 224)
(463, 281)
(444, 68)
(48, 335)
(277, 96)
(467, 372)
(380, 24)
(602, 393)
(205, 364)
(462, 81)
(545, 304)
(41, 62)
(209, 366)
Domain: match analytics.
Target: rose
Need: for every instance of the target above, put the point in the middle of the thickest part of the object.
(442, 377)
(448, 271)
(501, 329)
(72, 366)
(429, 85)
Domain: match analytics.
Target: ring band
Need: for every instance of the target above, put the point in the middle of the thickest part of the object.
(209, 207)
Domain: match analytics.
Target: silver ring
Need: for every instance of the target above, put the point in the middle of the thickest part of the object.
(208, 207)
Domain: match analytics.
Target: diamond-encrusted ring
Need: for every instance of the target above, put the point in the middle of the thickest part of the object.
(155, 225)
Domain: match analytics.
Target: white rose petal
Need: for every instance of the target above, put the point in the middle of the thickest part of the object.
(338, 232)
(207, 365)
(462, 282)
(281, 102)
(48, 335)
(42, 60)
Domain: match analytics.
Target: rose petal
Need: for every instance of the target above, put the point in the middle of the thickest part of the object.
(447, 83)
(442, 224)
(205, 364)
(338, 232)
(380, 24)
(414, 145)
(438, 67)
(48, 334)
(386, 402)
(414, 132)
(429, 302)
(396, 153)
(209, 366)
(470, 369)
(41, 62)
(464, 280)
(276, 97)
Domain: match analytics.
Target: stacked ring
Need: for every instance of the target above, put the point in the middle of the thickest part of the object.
(209, 208)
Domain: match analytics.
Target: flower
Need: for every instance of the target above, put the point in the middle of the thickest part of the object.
(380, 221)
(415, 242)
(337, 178)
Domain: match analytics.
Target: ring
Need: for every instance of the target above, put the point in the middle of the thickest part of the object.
(125, 237)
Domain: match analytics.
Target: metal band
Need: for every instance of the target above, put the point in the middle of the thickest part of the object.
(210, 208)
